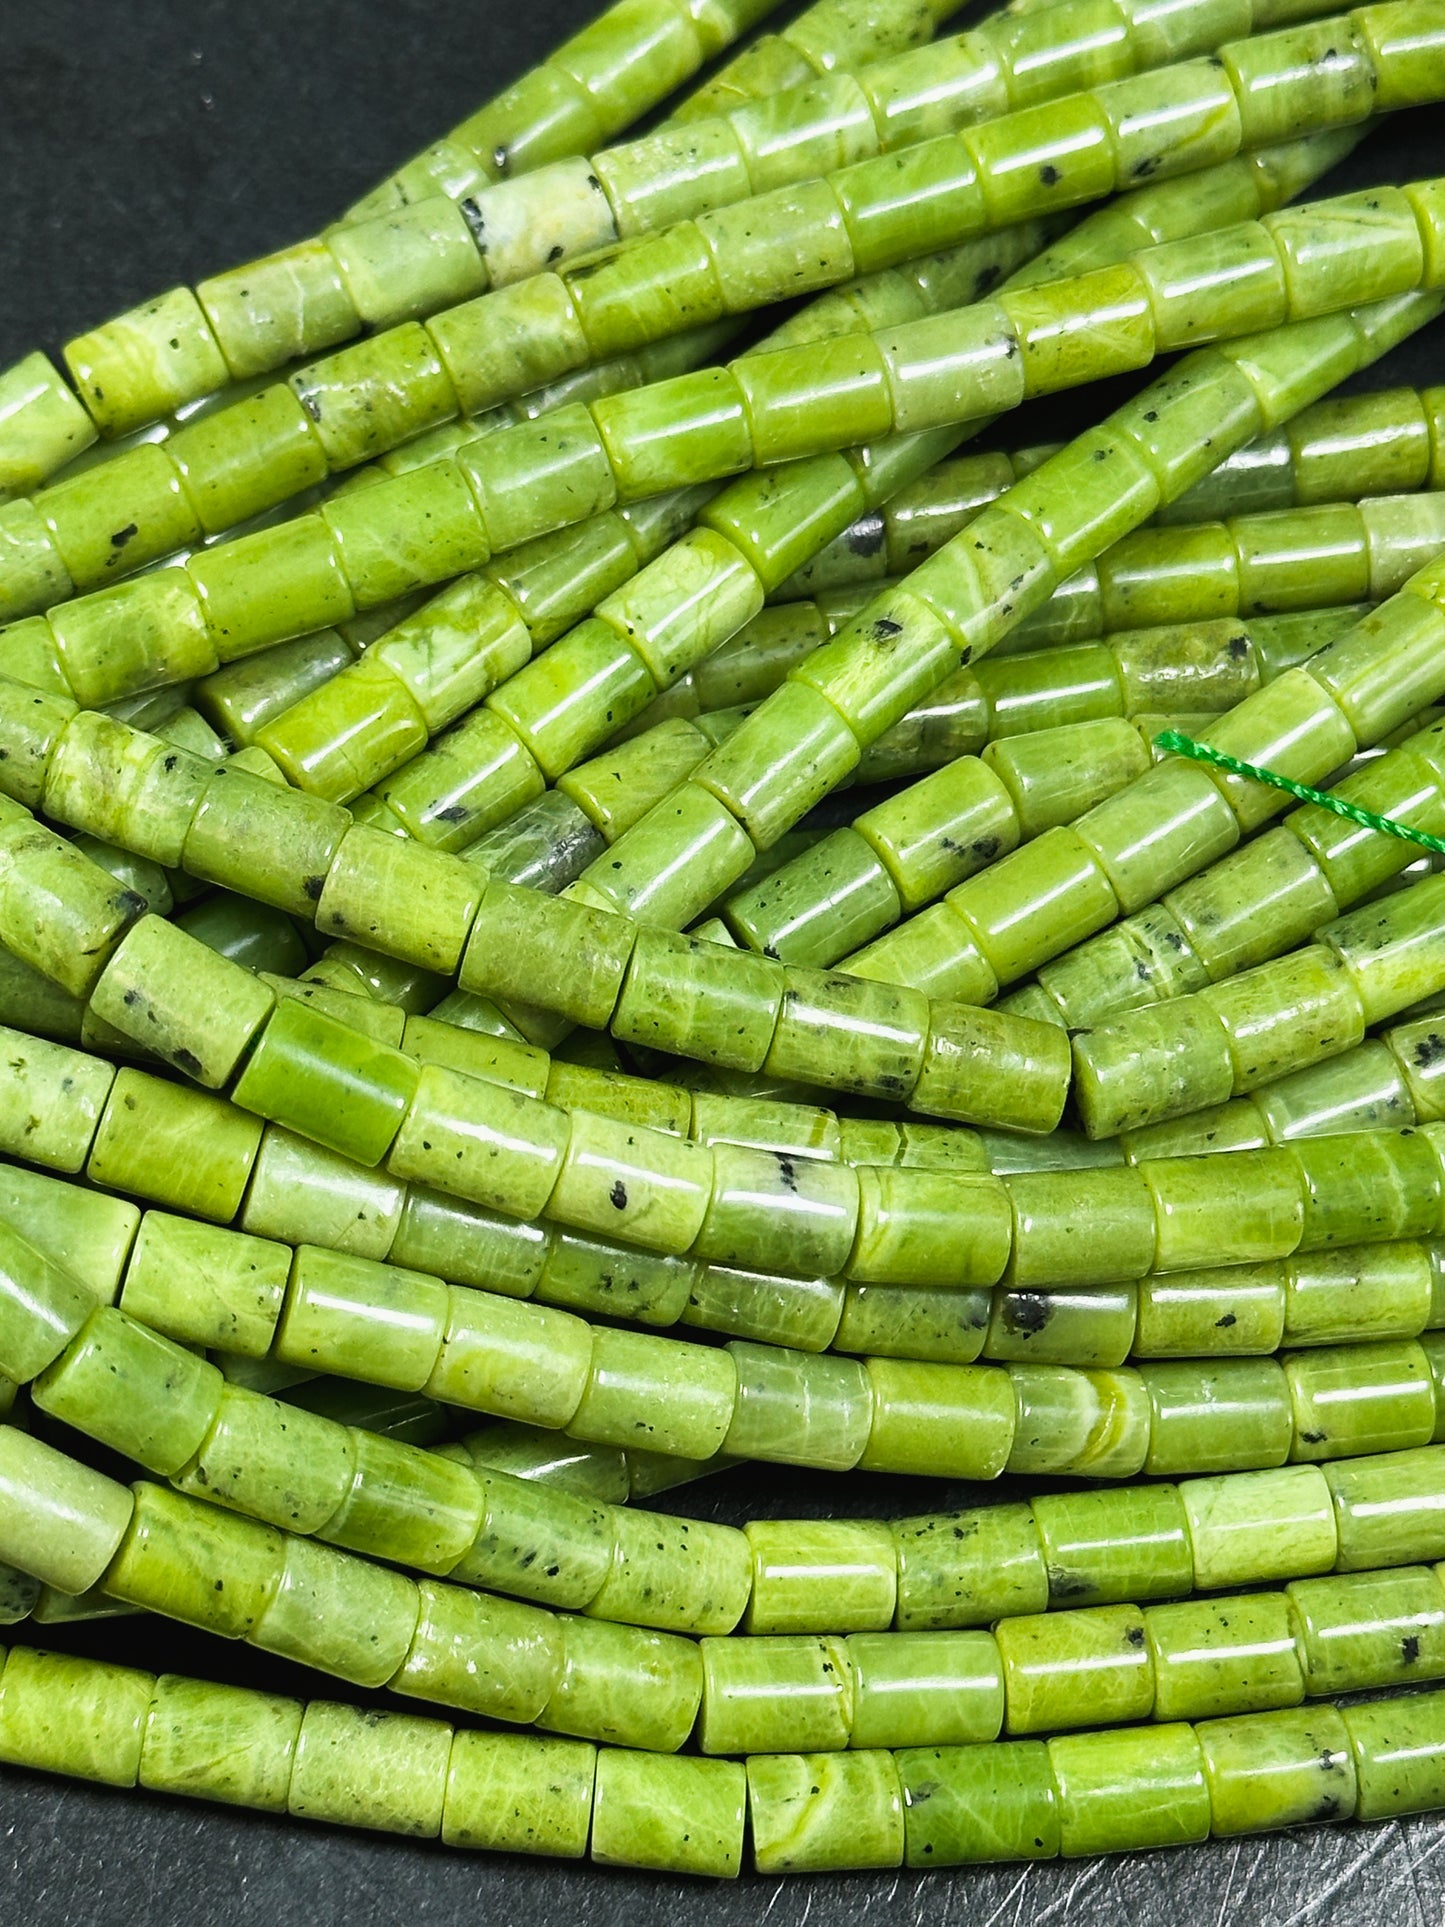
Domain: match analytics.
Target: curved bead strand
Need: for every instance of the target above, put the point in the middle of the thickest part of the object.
(343, 411)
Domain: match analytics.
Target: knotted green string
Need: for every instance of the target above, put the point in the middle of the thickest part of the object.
(1387, 825)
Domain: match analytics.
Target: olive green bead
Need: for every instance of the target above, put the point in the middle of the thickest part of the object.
(537, 1541)
(798, 1408)
(175, 1549)
(1360, 1398)
(273, 1461)
(625, 1685)
(1374, 1291)
(767, 1695)
(1366, 1629)
(1055, 1243)
(337, 1613)
(965, 1804)
(1278, 1770)
(332, 1083)
(807, 1573)
(35, 722)
(789, 1214)
(1095, 1326)
(176, 1146)
(181, 1001)
(1360, 1187)
(367, 1320)
(933, 1688)
(131, 637)
(399, 897)
(929, 1228)
(901, 1321)
(477, 1139)
(786, 757)
(486, 1655)
(1059, 869)
(370, 1769)
(677, 1815)
(699, 1584)
(136, 1392)
(1143, 1787)
(652, 1287)
(86, 1233)
(277, 848)
(1078, 1421)
(1107, 1545)
(1396, 1755)
(1235, 1308)
(300, 1191)
(815, 1812)
(519, 940)
(406, 1504)
(74, 1716)
(681, 993)
(1387, 1509)
(51, 1100)
(647, 1186)
(834, 898)
(42, 1307)
(1260, 1525)
(657, 1393)
(225, 1743)
(802, 1312)
(516, 1361)
(59, 1520)
(1075, 1668)
(969, 1568)
(59, 912)
(1231, 1655)
(954, 1421)
(1216, 1415)
(1192, 1196)
(513, 1793)
(988, 1067)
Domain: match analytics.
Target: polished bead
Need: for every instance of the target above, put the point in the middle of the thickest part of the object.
(815, 1572)
(1232, 1655)
(812, 1813)
(1260, 1525)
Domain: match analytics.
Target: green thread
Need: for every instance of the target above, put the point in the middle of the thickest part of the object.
(1387, 825)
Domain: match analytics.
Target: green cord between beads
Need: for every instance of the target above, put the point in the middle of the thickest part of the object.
(1387, 825)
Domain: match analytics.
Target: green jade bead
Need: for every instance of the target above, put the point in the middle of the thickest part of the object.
(969, 1804)
(1396, 1758)
(367, 1769)
(1260, 1525)
(1131, 1543)
(683, 1575)
(1075, 1668)
(1370, 1629)
(147, 1398)
(805, 1572)
(74, 1716)
(769, 1695)
(1349, 1399)
(491, 1656)
(794, 1403)
(224, 1743)
(1232, 1655)
(42, 1307)
(1139, 1787)
(334, 1084)
(1385, 1510)
(816, 1812)
(675, 1815)
(626, 1686)
(177, 1146)
(507, 1793)
(60, 1521)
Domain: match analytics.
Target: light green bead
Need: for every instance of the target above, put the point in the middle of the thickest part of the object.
(331, 1082)
(42, 1307)
(680, 1816)
(766, 1695)
(1259, 1197)
(1138, 1788)
(797, 1408)
(624, 1180)
(337, 1613)
(406, 1504)
(1360, 1398)
(486, 1655)
(1232, 1655)
(51, 1100)
(1366, 1187)
(1396, 1755)
(930, 1228)
(1388, 1508)
(383, 1770)
(901, 1321)
(797, 1215)
(224, 1743)
(699, 1584)
(1374, 1291)
(1260, 1525)
(176, 1146)
(1095, 1326)
(817, 1812)
(348, 734)
(74, 1716)
(1079, 1421)
(277, 847)
(299, 1191)
(969, 1568)
(955, 1421)
(680, 993)
(1053, 1243)
(1075, 1668)
(146, 362)
(84, 1232)
(1235, 1308)
(272, 1461)
(181, 1001)
(817, 1573)
(58, 1520)
(238, 461)
(1278, 1770)
(174, 1551)
(931, 1688)
(45, 425)
(964, 1804)
(656, 1392)
(787, 756)
(140, 1394)
(1217, 1415)
(511, 1792)
(1127, 1543)
(625, 1686)
(1360, 1629)
(520, 938)
(803, 1312)
(283, 580)
(990, 1067)
(516, 1361)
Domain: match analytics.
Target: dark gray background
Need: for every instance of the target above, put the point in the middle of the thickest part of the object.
(145, 142)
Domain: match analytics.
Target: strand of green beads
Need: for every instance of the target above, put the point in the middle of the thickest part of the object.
(344, 410)
(1053, 740)
(604, 76)
(1344, 449)
(801, 740)
(1272, 560)
(448, 248)
(926, 1806)
(1296, 878)
(1192, 1052)
(1186, 830)
(1388, 1080)
(1278, 560)
(363, 725)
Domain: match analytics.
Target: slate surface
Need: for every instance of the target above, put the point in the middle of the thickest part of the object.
(145, 142)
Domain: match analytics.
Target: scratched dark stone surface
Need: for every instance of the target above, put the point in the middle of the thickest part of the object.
(144, 142)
